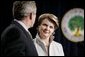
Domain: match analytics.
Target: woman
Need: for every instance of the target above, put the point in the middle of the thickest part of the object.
(47, 23)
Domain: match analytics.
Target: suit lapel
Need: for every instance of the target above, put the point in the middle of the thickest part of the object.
(22, 29)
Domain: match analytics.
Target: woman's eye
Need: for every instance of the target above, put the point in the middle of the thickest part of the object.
(44, 25)
(51, 27)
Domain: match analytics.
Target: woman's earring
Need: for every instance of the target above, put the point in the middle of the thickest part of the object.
(53, 33)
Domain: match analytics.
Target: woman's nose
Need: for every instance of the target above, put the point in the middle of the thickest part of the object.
(47, 28)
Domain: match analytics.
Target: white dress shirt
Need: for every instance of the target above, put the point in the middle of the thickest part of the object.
(55, 48)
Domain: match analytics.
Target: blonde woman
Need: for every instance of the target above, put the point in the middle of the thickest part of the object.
(45, 45)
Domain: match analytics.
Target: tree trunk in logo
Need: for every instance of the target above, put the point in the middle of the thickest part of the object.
(77, 33)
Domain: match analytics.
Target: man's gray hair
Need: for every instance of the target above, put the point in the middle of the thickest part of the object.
(23, 8)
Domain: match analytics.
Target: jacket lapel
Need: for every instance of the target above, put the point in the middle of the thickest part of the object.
(22, 29)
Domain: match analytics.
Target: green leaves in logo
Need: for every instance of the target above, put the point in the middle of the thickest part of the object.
(76, 23)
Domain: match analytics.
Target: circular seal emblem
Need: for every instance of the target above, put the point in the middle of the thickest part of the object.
(72, 25)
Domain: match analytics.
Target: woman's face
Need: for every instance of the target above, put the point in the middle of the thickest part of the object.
(46, 28)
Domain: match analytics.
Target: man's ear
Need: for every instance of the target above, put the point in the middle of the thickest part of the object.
(30, 16)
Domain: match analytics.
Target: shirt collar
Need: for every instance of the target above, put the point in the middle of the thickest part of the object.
(21, 23)
(42, 43)
(38, 37)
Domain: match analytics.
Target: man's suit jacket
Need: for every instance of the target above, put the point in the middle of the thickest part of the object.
(16, 41)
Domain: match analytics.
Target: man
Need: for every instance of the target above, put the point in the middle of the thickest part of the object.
(16, 40)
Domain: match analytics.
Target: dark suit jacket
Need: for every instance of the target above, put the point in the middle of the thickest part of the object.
(16, 41)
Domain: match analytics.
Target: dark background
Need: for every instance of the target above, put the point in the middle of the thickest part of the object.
(57, 7)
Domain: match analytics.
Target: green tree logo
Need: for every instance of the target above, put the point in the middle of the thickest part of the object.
(76, 24)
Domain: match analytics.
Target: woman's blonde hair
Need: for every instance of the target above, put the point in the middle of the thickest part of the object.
(50, 17)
